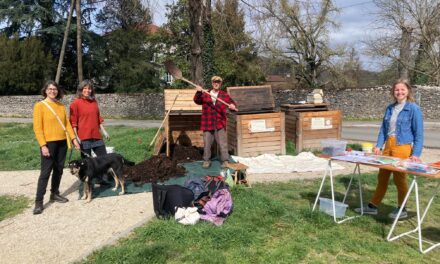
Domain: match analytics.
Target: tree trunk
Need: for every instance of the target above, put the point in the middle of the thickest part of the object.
(196, 17)
(405, 53)
(78, 40)
(63, 47)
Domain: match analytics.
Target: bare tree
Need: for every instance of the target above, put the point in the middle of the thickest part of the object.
(298, 31)
(78, 41)
(409, 32)
(199, 15)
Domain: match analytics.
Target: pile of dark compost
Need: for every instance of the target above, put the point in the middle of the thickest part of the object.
(183, 154)
(160, 168)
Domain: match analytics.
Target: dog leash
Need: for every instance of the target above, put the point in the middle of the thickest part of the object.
(71, 152)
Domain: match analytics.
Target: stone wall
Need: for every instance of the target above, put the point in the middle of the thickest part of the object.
(142, 105)
(354, 103)
(366, 102)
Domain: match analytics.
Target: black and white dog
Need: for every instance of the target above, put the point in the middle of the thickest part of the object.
(89, 168)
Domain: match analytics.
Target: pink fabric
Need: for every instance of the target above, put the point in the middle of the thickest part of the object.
(218, 207)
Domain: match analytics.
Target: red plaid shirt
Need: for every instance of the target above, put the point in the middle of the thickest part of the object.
(213, 115)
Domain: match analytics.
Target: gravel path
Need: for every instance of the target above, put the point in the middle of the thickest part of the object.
(65, 233)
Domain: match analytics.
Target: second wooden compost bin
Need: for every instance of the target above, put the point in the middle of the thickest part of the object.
(257, 128)
(308, 124)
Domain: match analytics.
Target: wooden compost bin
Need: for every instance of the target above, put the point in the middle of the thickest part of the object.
(307, 125)
(257, 128)
(183, 124)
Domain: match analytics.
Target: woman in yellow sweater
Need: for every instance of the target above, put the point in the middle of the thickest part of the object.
(51, 128)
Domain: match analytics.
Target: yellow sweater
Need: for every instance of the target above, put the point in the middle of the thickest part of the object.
(46, 126)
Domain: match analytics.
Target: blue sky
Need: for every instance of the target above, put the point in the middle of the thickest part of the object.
(356, 20)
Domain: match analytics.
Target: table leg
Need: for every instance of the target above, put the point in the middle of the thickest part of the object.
(329, 172)
(420, 218)
(322, 184)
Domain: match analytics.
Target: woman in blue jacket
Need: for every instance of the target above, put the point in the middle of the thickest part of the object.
(402, 134)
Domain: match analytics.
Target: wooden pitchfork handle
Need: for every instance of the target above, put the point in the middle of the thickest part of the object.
(215, 97)
(163, 121)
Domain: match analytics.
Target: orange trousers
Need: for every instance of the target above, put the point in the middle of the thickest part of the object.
(398, 151)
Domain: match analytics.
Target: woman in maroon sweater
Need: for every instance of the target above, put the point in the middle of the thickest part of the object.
(86, 120)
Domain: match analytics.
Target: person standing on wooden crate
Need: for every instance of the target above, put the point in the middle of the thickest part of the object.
(213, 121)
(87, 121)
(54, 135)
(402, 134)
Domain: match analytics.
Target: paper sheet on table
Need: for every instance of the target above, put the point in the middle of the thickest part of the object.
(270, 163)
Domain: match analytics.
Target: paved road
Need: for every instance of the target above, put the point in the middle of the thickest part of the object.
(352, 130)
(368, 131)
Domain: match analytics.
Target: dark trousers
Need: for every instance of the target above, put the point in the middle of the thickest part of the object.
(99, 151)
(55, 164)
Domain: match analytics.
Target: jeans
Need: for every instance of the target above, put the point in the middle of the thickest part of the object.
(99, 150)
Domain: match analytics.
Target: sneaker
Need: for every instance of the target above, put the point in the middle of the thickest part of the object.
(206, 164)
(369, 209)
(225, 164)
(38, 207)
(54, 197)
(403, 215)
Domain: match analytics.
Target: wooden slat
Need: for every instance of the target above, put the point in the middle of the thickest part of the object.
(184, 100)
(255, 139)
(261, 144)
(262, 149)
(260, 116)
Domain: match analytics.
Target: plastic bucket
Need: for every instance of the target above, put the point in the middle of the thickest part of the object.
(367, 147)
(325, 205)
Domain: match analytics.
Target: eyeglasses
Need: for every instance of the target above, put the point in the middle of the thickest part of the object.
(216, 81)
(52, 89)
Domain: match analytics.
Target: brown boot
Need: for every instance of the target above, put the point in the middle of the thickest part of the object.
(225, 164)
(38, 207)
(206, 164)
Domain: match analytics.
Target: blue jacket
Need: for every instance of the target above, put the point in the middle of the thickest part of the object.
(409, 127)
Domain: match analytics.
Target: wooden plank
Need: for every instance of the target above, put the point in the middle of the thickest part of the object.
(261, 135)
(252, 140)
(299, 139)
(257, 153)
(184, 100)
(283, 135)
(263, 149)
(239, 137)
(262, 144)
(250, 98)
(260, 116)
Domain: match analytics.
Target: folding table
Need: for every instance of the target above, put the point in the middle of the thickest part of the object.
(413, 187)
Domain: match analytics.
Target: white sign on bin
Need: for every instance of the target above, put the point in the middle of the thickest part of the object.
(259, 125)
(321, 123)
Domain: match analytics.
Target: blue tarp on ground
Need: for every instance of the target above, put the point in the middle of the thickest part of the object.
(193, 169)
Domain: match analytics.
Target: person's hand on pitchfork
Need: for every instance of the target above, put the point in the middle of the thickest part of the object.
(199, 88)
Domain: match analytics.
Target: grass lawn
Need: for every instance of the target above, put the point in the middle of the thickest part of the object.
(19, 149)
(273, 223)
(12, 205)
